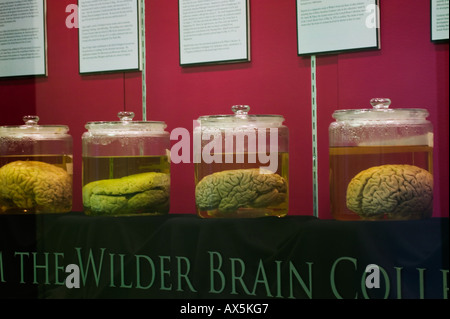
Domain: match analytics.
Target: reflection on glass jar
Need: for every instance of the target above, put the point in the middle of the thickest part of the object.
(126, 167)
(36, 168)
(366, 148)
(242, 165)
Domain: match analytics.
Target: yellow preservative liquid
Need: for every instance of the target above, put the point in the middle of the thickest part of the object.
(108, 167)
(230, 162)
(347, 162)
(9, 206)
(137, 195)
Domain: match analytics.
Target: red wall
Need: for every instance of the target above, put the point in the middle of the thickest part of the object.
(409, 69)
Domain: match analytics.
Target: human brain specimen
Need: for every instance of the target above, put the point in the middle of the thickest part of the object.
(35, 186)
(132, 194)
(391, 191)
(229, 190)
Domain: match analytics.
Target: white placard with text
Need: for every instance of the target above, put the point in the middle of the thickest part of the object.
(439, 20)
(109, 35)
(22, 38)
(213, 31)
(325, 26)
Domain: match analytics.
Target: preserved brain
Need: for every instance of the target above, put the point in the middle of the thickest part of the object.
(35, 185)
(229, 190)
(138, 193)
(392, 191)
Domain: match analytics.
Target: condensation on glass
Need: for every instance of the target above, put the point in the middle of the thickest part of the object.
(36, 168)
(241, 165)
(126, 167)
(381, 163)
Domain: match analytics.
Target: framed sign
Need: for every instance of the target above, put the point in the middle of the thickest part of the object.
(329, 26)
(439, 20)
(213, 31)
(23, 41)
(109, 35)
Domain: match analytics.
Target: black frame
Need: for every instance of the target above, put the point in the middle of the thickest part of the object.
(431, 27)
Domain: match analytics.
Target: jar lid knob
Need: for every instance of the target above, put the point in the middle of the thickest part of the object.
(125, 116)
(240, 109)
(31, 119)
(380, 103)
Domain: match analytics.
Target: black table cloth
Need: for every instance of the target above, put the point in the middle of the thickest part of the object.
(183, 256)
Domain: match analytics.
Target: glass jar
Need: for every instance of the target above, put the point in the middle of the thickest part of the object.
(126, 167)
(381, 163)
(241, 165)
(36, 168)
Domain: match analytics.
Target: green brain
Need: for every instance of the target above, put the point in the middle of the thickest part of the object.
(231, 189)
(138, 193)
(35, 185)
(395, 191)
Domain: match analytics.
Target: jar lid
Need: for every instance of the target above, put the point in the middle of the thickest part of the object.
(125, 125)
(31, 127)
(241, 118)
(380, 111)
